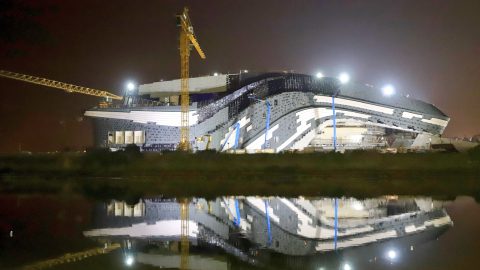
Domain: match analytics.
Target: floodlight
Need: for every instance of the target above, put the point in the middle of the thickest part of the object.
(388, 90)
(130, 86)
(344, 78)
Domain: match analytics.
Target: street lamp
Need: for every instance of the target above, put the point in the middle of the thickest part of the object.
(319, 75)
(344, 78)
(334, 119)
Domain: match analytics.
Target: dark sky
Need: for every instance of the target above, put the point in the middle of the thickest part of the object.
(428, 49)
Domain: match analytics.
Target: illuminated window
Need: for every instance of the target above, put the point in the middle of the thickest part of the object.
(119, 137)
(139, 137)
(118, 208)
(128, 137)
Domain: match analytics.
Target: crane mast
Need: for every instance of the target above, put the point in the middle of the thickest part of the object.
(187, 39)
(70, 88)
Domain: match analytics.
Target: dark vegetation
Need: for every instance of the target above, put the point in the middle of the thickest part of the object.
(130, 174)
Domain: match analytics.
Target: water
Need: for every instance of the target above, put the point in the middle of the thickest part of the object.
(69, 231)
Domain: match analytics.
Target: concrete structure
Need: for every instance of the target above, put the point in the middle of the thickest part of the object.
(301, 115)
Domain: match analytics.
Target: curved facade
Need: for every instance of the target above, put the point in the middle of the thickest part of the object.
(301, 116)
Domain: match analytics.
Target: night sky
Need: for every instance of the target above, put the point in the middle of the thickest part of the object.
(428, 49)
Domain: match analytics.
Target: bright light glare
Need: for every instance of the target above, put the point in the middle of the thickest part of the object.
(388, 90)
(129, 261)
(245, 71)
(319, 75)
(130, 86)
(215, 74)
(347, 267)
(344, 78)
(392, 254)
(357, 206)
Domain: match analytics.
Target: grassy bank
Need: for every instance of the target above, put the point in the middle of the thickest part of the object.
(131, 174)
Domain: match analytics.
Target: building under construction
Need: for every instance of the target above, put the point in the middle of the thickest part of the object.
(273, 112)
(252, 112)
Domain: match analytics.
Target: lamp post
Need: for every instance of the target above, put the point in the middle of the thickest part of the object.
(129, 91)
(267, 120)
(334, 118)
(344, 78)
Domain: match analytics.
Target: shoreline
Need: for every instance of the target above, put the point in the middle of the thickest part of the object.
(357, 174)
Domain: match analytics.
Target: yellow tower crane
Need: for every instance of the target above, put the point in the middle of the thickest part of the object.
(187, 39)
(70, 88)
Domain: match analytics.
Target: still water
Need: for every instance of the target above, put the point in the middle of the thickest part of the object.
(237, 232)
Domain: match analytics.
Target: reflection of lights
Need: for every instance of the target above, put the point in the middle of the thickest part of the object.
(129, 260)
(357, 206)
(347, 266)
(392, 254)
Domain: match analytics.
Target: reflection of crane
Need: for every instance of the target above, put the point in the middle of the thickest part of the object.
(72, 257)
(184, 242)
(187, 38)
(59, 85)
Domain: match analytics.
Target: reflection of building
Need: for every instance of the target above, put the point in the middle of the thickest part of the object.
(173, 261)
(248, 226)
(301, 115)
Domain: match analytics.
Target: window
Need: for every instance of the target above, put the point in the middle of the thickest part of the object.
(128, 137)
(139, 137)
(119, 137)
(275, 102)
(111, 138)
